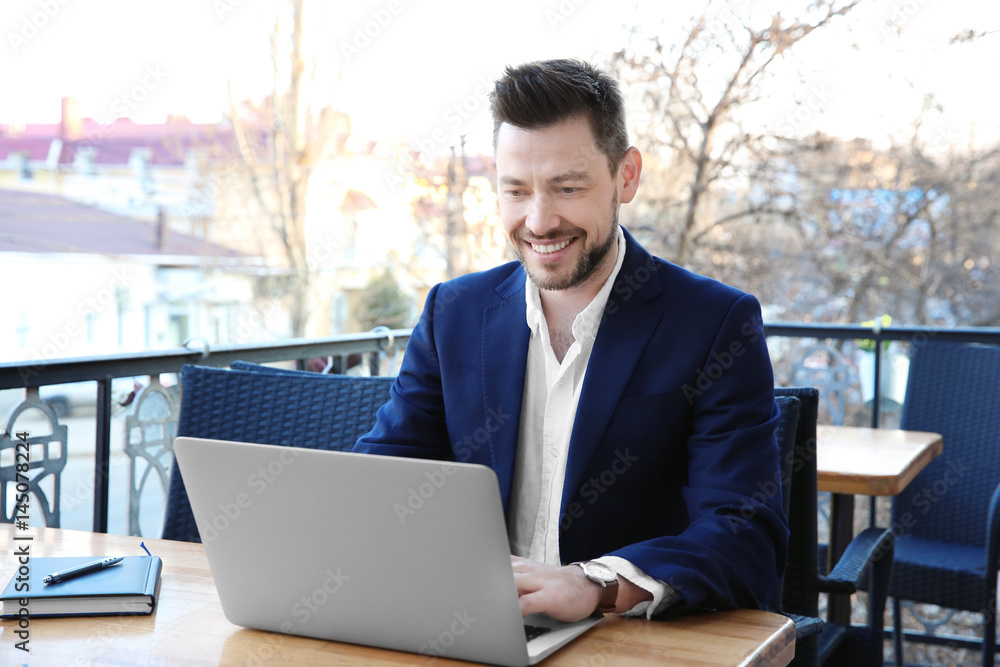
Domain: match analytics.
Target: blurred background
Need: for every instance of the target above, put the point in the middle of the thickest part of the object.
(247, 170)
(239, 172)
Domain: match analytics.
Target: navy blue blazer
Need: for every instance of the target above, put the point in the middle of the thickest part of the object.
(672, 464)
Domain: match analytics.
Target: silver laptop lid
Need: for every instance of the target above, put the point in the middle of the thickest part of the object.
(382, 551)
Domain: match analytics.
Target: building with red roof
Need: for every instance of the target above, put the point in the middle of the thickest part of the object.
(176, 199)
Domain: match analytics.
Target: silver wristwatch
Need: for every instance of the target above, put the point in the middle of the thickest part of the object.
(607, 578)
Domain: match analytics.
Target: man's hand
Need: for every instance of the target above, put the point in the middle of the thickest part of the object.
(564, 592)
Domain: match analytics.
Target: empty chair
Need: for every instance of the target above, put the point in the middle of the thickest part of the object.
(280, 408)
(947, 518)
(867, 559)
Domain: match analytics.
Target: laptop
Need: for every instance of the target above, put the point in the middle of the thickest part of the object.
(398, 553)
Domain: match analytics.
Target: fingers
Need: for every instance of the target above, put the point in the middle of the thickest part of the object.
(530, 579)
(527, 579)
(560, 604)
(524, 564)
(533, 603)
(562, 593)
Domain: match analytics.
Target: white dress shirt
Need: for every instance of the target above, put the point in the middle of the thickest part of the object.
(548, 410)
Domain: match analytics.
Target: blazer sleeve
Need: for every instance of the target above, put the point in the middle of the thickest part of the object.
(732, 552)
(413, 422)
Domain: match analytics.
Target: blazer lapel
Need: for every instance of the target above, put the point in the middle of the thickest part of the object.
(505, 354)
(624, 333)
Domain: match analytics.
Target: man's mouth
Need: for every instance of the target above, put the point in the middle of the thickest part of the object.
(547, 249)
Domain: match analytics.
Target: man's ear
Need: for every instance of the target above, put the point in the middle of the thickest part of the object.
(628, 174)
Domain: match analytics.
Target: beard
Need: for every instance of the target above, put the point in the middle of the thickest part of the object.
(590, 260)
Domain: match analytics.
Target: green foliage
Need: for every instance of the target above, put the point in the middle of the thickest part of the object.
(382, 303)
(867, 344)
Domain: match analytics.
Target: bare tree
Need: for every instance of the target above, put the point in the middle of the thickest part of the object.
(439, 209)
(279, 142)
(868, 221)
(968, 271)
(467, 240)
(692, 95)
(906, 230)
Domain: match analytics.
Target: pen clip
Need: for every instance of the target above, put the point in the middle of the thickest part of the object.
(143, 545)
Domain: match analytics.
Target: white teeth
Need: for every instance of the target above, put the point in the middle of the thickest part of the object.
(546, 249)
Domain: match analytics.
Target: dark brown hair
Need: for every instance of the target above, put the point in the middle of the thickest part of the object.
(540, 94)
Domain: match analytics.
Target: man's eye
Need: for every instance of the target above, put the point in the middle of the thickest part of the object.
(514, 193)
(569, 191)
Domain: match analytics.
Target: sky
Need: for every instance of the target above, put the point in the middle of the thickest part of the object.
(417, 70)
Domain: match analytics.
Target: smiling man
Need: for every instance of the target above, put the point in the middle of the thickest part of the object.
(626, 404)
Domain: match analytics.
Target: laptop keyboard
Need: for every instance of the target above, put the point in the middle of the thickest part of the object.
(534, 631)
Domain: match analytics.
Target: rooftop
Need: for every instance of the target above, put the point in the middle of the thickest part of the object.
(41, 223)
(111, 141)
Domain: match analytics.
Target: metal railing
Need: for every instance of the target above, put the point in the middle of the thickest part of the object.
(103, 369)
(880, 335)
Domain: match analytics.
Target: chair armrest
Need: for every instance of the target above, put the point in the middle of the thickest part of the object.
(805, 626)
(993, 539)
(867, 547)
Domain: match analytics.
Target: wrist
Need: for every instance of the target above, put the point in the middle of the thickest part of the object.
(603, 576)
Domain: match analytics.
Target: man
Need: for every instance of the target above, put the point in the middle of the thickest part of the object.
(625, 404)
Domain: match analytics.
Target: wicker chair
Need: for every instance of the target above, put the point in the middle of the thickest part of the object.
(867, 558)
(948, 517)
(289, 408)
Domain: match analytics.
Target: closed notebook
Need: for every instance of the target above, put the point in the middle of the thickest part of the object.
(126, 588)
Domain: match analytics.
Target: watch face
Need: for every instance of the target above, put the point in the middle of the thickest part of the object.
(600, 570)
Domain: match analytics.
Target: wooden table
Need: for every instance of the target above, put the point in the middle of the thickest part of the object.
(188, 626)
(868, 462)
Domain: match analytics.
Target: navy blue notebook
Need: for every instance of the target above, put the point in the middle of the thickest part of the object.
(129, 587)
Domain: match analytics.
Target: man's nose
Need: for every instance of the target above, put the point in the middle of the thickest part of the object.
(542, 217)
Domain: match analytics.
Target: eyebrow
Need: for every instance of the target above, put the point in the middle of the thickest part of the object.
(568, 176)
(571, 176)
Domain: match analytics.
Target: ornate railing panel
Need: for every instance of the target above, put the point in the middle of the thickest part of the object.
(382, 350)
(150, 428)
(26, 472)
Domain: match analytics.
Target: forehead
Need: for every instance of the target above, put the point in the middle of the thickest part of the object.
(567, 145)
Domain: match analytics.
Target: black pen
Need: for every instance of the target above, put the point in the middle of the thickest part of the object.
(81, 570)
